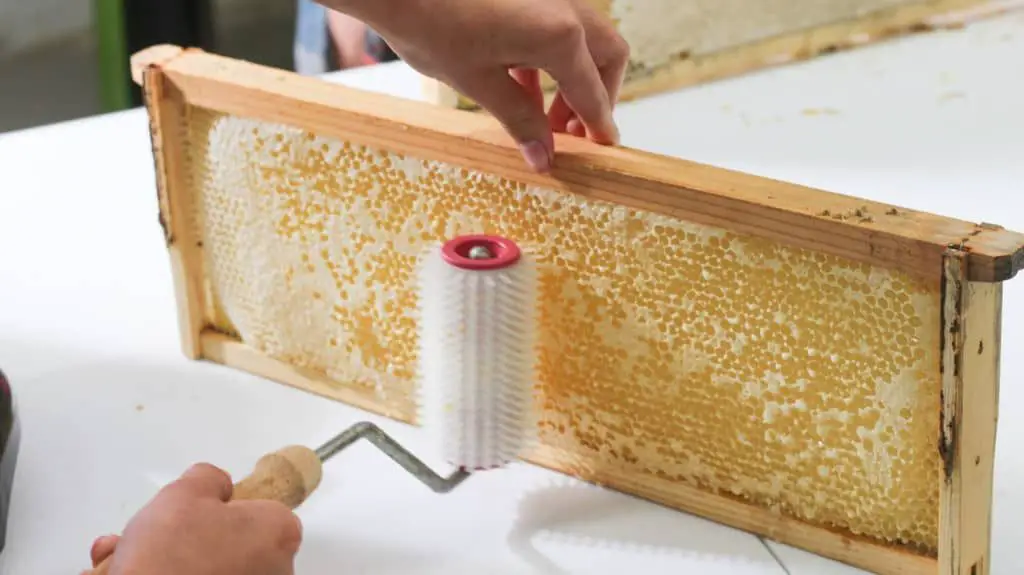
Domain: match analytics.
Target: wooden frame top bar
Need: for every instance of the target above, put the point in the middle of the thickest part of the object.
(870, 232)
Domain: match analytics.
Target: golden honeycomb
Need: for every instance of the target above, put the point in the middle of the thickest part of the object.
(794, 380)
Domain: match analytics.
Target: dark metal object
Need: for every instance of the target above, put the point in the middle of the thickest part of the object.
(180, 22)
(394, 450)
(10, 442)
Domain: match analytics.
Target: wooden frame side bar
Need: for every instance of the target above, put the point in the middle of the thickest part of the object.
(971, 330)
(166, 110)
(869, 232)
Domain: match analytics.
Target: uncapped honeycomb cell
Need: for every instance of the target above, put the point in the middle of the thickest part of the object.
(794, 380)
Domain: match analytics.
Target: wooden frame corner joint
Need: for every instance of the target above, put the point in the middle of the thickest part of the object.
(996, 253)
(152, 57)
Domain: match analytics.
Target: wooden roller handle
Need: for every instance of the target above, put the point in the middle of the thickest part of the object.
(288, 475)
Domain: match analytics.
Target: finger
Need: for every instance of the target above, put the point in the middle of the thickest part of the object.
(348, 35)
(576, 128)
(559, 114)
(608, 48)
(102, 548)
(204, 480)
(610, 53)
(580, 82)
(276, 521)
(517, 110)
(564, 120)
(612, 75)
(529, 79)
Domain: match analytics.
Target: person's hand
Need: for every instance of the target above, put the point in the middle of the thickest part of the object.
(349, 35)
(190, 527)
(491, 51)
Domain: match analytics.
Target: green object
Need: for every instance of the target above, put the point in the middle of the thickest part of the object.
(109, 25)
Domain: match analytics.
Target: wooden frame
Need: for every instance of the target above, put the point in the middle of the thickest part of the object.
(969, 261)
(784, 49)
(972, 315)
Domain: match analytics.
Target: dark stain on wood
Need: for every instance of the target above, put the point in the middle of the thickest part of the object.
(150, 87)
(862, 214)
(958, 360)
(947, 448)
(950, 337)
(168, 236)
(1006, 267)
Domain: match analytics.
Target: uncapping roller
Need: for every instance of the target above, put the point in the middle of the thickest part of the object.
(477, 362)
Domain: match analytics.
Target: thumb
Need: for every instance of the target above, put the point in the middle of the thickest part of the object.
(102, 548)
(203, 480)
(519, 108)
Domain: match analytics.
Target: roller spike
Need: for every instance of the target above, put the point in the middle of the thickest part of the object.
(477, 350)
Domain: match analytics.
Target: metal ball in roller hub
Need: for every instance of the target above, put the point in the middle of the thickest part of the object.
(480, 253)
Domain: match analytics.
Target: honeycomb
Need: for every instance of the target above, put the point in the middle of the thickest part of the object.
(794, 380)
(661, 31)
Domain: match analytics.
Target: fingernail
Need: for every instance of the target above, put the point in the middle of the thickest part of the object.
(616, 137)
(537, 155)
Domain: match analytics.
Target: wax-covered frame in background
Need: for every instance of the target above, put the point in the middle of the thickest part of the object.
(708, 41)
(961, 264)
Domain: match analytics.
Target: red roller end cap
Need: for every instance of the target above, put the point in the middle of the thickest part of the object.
(480, 252)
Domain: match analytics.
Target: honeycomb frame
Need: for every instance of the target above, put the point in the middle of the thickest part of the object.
(964, 262)
(785, 48)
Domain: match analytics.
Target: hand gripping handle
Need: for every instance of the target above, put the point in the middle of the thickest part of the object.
(288, 476)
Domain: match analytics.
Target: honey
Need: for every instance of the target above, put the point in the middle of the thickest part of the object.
(794, 380)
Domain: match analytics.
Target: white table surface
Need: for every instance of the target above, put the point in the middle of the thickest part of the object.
(112, 410)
